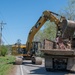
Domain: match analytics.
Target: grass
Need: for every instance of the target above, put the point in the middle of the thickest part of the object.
(6, 63)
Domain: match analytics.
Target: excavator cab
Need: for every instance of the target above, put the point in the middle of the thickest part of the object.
(35, 47)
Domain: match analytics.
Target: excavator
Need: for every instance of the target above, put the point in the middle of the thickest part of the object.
(31, 49)
(61, 55)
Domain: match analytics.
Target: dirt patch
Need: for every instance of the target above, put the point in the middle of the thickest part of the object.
(13, 70)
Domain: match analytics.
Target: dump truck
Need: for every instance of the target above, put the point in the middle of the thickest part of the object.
(60, 53)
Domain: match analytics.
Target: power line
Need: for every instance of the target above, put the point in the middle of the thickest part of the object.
(5, 40)
(1, 16)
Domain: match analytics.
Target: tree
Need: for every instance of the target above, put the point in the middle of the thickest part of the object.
(69, 10)
(47, 32)
(18, 42)
(3, 50)
(72, 1)
(38, 36)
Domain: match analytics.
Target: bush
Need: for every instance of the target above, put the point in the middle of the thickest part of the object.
(3, 50)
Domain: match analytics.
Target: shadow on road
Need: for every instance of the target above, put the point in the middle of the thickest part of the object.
(40, 70)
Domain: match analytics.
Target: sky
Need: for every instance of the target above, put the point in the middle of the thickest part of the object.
(21, 15)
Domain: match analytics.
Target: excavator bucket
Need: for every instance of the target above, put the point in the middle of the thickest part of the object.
(68, 26)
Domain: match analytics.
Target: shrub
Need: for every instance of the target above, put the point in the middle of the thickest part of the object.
(3, 50)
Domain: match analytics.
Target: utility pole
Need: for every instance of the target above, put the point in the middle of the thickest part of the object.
(1, 28)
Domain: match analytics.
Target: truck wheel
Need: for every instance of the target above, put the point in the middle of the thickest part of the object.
(36, 60)
(33, 59)
(18, 61)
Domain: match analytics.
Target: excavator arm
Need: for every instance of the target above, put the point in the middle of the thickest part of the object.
(47, 15)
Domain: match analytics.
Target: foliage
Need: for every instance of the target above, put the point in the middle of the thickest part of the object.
(6, 64)
(47, 32)
(3, 50)
(9, 49)
(69, 10)
(38, 35)
(18, 42)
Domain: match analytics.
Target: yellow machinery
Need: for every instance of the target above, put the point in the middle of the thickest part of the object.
(30, 47)
(47, 15)
(30, 50)
(18, 50)
(55, 58)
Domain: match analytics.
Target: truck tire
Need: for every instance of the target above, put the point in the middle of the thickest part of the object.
(36, 60)
(18, 61)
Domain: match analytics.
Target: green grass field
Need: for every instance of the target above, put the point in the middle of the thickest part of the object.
(6, 63)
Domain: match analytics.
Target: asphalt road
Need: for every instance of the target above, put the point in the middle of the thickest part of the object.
(30, 69)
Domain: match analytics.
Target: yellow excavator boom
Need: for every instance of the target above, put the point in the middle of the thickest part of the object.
(47, 15)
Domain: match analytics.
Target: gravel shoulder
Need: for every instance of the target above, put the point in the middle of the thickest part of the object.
(15, 70)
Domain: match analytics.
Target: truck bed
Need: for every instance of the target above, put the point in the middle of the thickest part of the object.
(58, 52)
